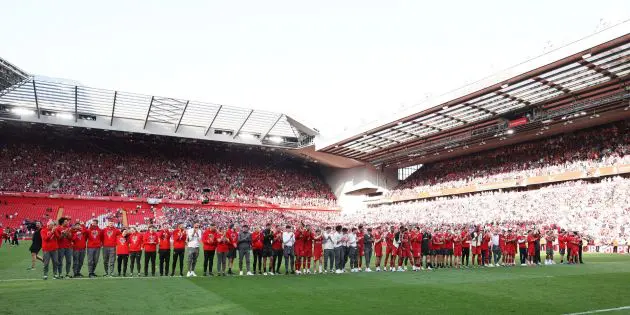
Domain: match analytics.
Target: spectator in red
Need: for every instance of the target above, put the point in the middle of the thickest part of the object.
(49, 246)
(94, 244)
(150, 241)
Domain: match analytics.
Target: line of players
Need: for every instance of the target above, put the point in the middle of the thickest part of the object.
(302, 248)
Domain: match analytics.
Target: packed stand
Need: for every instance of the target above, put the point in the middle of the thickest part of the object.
(168, 169)
(597, 147)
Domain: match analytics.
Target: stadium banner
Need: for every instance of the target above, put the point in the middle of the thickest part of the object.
(497, 185)
(622, 169)
(606, 249)
(517, 122)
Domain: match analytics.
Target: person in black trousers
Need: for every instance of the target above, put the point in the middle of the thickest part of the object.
(36, 245)
(209, 239)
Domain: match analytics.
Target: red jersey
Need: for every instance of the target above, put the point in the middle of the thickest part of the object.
(122, 246)
(179, 239)
(232, 237)
(257, 240)
(465, 239)
(448, 241)
(389, 239)
(484, 241)
(135, 242)
(209, 239)
(522, 241)
(165, 239)
(562, 241)
(95, 237)
(360, 238)
(223, 245)
(64, 236)
(317, 243)
(531, 240)
(110, 236)
(277, 241)
(49, 240)
(79, 239)
(378, 239)
(150, 240)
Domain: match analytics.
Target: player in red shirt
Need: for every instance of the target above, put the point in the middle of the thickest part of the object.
(307, 249)
(134, 241)
(79, 244)
(485, 252)
(179, 247)
(466, 238)
(122, 252)
(277, 248)
(232, 236)
(531, 250)
(361, 246)
(209, 238)
(110, 235)
(164, 249)
(457, 250)
(94, 244)
(378, 247)
(448, 248)
(562, 244)
(223, 248)
(318, 249)
(390, 249)
(150, 240)
(416, 248)
(49, 246)
(438, 245)
(63, 231)
(549, 239)
(257, 248)
(404, 247)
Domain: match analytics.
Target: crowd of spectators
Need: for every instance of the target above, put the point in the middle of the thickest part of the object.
(599, 210)
(172, 171)
(600, 146)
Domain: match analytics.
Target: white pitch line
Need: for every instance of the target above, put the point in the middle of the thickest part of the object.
(602, 310)
(74, 279)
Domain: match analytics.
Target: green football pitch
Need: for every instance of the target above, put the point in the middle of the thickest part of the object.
(602, 283)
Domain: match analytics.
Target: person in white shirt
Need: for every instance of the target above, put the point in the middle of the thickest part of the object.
(496, 248)
(192, 244)
(337, 239)
(329, 249)
(288, 239)
(352, 250)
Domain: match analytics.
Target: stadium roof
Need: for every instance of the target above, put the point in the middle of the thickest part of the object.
(587, 63)
(10, 74)
(56, 102)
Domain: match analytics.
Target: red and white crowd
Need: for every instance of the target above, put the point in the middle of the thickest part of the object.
(173, 171)
(597, 147)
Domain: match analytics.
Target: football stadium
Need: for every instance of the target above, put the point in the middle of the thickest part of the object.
(507, 195)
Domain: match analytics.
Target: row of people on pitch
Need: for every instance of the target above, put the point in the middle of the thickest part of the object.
(73, 243)
(298, 247)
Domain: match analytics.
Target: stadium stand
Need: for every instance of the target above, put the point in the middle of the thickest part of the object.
(168, 170)
(597, 147)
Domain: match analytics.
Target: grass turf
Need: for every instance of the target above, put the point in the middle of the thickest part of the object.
(602, 283)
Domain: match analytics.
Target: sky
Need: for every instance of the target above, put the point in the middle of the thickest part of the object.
(332, 65)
